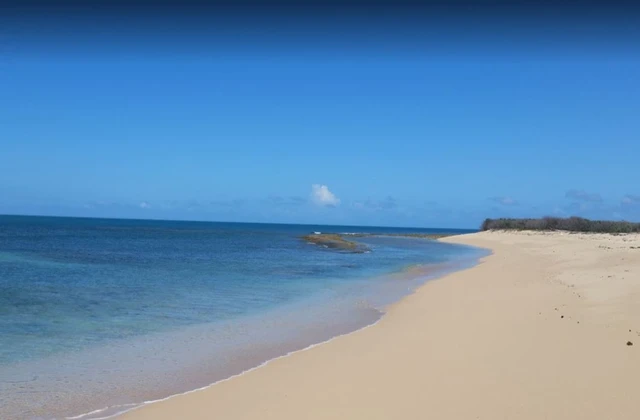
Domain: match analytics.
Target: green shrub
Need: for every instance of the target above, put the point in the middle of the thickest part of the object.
(570, 224)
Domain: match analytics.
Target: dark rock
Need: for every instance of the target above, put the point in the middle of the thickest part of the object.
(335, 242)
(561, 316)
(629, 343)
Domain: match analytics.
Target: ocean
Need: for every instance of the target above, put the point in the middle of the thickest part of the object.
(98, 316)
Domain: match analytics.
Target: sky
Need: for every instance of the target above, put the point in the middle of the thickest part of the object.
(424, 118)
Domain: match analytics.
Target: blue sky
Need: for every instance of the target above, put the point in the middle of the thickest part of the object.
(337, 130)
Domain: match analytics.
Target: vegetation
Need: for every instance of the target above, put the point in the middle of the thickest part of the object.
(570, 224)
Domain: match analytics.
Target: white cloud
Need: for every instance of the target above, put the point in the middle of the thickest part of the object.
(100, 204)
(388, 203)
(631, 199)
(144, 205)
(582, 195)
(321, 196)
(505, 201)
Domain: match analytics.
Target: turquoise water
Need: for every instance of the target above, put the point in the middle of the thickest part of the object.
(98, 313)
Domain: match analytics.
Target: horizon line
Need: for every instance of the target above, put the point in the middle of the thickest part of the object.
(236, 222)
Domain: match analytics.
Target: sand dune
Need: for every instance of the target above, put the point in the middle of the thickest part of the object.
(538, 330)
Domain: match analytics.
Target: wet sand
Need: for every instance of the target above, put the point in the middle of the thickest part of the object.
(538, 330)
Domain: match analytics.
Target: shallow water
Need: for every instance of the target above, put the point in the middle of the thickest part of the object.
(106, 313)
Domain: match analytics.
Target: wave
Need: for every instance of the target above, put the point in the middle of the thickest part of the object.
(118, 410)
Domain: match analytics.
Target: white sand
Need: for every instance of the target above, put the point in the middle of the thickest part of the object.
(537, 331)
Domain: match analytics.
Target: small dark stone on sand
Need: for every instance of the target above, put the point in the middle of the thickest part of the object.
(561, 316)
(629, 343)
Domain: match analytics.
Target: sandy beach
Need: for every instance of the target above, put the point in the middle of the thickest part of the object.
(538, 330)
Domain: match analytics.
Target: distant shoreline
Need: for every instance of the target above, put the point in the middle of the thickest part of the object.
(339, 242)
(569, 224)
(311, 226)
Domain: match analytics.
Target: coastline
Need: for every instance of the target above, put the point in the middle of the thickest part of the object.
(537, 330)
(194, 315)
(409, 279)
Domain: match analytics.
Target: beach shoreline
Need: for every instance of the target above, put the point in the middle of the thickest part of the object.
(411, 277)
(98, 323)
(538, 329)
